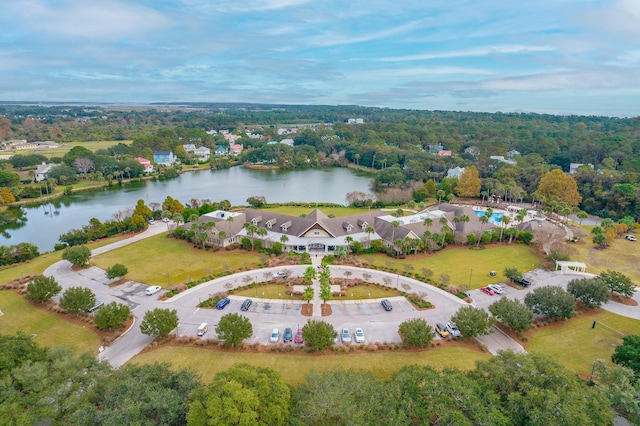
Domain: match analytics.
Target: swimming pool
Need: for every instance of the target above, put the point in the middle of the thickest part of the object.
(495, 218)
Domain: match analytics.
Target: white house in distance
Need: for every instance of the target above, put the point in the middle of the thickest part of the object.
(164, 158)
(573, 167)
(202, 153)
(42, 171)
(456, 172)
(148, 167)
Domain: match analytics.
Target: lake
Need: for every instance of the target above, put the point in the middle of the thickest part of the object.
(42, 225)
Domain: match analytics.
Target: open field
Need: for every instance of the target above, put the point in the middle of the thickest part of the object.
(575, 344)
(162, 261)
(463, 264)
(294, 367)
(42, 262)
(622, 256)
(20, 315)
(297, 211)
(67, 146)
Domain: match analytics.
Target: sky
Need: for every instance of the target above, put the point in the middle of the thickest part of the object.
(546, 56)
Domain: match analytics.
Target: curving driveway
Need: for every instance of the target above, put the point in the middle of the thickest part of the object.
(378, 324)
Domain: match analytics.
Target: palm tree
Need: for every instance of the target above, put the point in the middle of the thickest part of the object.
(251, 230)
(440, 194)
(483, 220)
(262, 232)
(369, 230)
(394, 225)
(221, 237)
(178, 219)
(284, 239)
(582, 215)
(426, 237)
(505, 221)
(484, 194)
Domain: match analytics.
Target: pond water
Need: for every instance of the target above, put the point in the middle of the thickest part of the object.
(42, 225)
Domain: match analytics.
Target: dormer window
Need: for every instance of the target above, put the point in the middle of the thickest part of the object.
(254, 222)
(285, 226)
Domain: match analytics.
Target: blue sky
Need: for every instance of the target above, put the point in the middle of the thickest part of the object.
(550, 56)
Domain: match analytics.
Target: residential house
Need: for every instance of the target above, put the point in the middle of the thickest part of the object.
(189, 147)
(221, 150)
(573, 167)
(42, 171)
(444, 153)
(202, 153)
(434, 149)
(148, 167)
(513, 153)
(287, 141)
(502, 159)
(164, 158)
(456, 172)
(235, 149)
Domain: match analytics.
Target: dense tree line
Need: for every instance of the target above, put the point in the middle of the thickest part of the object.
(404, 144)
(54, 385)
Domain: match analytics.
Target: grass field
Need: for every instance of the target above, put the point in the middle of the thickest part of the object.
(622, 256)
(297, 211)
(20, 315)
(576, 345)
(42, 262)
(162, 261)
(461, 263)
(271, 291)
(294, 368)
(67, 146)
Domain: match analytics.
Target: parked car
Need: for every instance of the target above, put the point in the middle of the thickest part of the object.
(165, 219)
(222, 303)
(280, 274)
(441, 329)
(95, 307)
(288, 335)
(152, 222)
(453, 329)
(630, 237)
(386, 304)
(275, 335)
(496, 288)
(488, 291)
(299, 339)
(345, 336)
(523, 282)
(359, 335)
(152, 290)
(246, 305)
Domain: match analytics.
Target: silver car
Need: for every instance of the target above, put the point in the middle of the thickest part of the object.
(453, 329)
(345, 336)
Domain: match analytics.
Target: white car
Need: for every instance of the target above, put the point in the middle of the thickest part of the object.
(630, 237)
(152, 290)
(275, 335)
(359, 335)
(281, 274)
(345, 336)
(453, 329)
(497, 289)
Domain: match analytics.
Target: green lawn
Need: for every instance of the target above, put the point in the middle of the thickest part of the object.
(462, 263)
(294, 367)
(20, 315)
(575, 344)
(622, 256)
(67, 146)
(39, 264)
(297, 211)
(270, 291)
(160, 260)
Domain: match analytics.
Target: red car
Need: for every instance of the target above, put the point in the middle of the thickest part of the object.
(488, 291)
(298, 340)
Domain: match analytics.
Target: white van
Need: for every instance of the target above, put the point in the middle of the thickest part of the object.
(152, 290)
(202, 329)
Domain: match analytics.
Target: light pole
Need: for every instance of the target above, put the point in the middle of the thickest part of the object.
(168, 280)
(470, 274)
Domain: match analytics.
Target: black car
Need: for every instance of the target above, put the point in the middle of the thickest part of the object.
(246, 305)
(524, 283)
(288, 335)
(386, 304)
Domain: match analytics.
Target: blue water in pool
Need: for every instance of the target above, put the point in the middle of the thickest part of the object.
(495, 218)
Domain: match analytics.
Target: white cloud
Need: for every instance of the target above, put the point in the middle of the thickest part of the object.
(333, 39)
(480, 51)
(111, 19)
